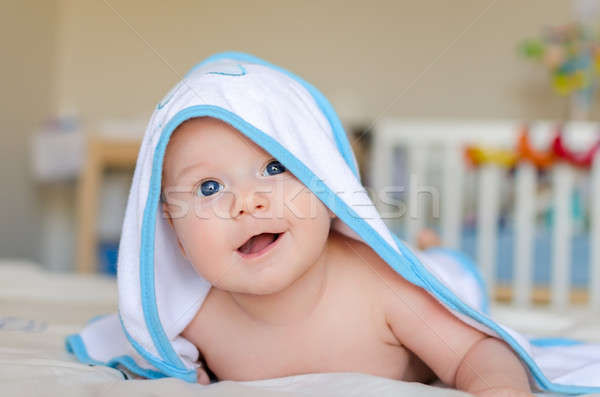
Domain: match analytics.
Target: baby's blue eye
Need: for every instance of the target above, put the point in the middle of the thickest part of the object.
(208, 188)
(274, 168)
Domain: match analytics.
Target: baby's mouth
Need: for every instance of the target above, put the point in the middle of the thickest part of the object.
(258, 243)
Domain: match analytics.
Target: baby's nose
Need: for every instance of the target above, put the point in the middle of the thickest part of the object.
(251, 203)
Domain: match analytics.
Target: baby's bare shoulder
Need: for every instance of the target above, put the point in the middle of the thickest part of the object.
(418, 321)
(402, 301)
(393, 295)
(362, 261)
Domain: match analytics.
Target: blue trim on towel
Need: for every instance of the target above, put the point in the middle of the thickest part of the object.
(147, 285)
(339, 134)
(74, 344)
(406, 264)
(188, 375)
(170, 96)
(470, 267)
(551, 342)
(241, 73)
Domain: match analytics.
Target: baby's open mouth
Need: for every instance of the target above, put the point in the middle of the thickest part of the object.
(258, 243)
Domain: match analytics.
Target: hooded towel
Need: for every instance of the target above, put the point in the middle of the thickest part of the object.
(160, 292)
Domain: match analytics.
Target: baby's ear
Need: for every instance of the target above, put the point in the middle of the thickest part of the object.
(167, 214)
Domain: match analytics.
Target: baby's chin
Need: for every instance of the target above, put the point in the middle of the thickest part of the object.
(267, 281)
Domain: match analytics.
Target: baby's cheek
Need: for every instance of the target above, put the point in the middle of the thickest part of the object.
(302, 203)
(208, 272)
(200, 249)
(208, 265)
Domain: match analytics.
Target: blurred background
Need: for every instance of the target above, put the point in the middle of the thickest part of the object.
(478, 118)
(81, 79)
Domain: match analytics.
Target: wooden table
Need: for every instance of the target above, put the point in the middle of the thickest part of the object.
(102, 153)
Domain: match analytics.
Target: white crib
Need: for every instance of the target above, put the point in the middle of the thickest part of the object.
(419, 138)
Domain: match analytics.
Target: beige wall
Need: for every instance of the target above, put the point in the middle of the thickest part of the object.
(27, 41)
(407, 58)
(360, 54)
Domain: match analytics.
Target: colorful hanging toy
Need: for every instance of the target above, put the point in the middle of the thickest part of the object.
(572, 55)
(539, 158)
(524, 151)
(477, 155)
(580, 160)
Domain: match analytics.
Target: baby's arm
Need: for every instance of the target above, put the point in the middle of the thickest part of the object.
(460, 355)
(489, 367)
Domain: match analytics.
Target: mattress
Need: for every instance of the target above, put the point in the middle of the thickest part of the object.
(38, 309)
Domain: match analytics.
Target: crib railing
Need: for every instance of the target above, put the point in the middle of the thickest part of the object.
(450, 138)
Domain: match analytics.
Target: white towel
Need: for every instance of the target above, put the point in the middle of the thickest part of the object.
(159, 292)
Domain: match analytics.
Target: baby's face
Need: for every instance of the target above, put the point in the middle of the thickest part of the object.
(221, 189)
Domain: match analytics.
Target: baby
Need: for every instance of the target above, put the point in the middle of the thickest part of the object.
(284, 293)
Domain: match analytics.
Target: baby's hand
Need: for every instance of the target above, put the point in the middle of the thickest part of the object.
(503, 392)
(202, 376)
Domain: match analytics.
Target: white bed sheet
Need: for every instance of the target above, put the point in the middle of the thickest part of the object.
(38, 309)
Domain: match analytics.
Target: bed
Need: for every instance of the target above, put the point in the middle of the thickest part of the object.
(39, 308)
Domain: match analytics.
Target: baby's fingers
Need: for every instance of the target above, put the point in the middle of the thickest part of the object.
(202, 376)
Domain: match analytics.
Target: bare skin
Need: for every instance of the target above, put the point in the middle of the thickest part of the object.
(319, 301)
(348, 330)
(355, 331)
